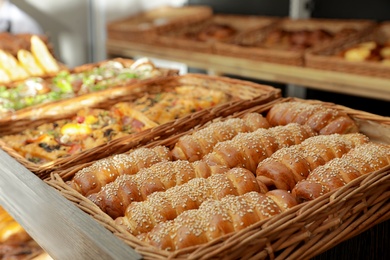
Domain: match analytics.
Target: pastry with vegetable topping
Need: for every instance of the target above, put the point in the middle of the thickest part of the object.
(91, 127)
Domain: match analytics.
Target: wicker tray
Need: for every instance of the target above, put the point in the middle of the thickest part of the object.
(326, 59)
(242, 47)
(143, 27)
(240, 91)
(302, 232)
(178, 37)
(11, 121)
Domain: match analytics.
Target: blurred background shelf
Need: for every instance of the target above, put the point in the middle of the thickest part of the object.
(356, 85)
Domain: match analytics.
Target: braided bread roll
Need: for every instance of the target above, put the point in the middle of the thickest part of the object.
(92, 178)
(116, 196)
(141, 217)
(320, 118)
(246, 150)
(292, 164)
(215, 218)
(361, 160)
(194, 146)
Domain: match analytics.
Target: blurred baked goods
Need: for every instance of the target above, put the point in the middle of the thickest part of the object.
(300, 39)
(368, 51)
(15, 243)
(91, 127)
(212, 32)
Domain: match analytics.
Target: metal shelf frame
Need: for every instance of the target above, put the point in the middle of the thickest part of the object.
(357, 85)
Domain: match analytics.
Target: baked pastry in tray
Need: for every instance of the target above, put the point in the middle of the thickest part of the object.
(15, 242)
(368, 51)
(81, 80)
(367, 54)
(203, 35)
(91, 127)
(170, 105)
(287, 41)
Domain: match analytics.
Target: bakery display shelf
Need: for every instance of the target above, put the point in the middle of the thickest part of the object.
(339, 82)
(63, 231)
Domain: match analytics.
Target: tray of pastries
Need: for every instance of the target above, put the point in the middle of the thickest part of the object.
(367, 54)
(34, 96)
(143, 27)
(15, 242)
(268, 181)
(26, 55)
(203, 35)
(144, 112)
(287, 40)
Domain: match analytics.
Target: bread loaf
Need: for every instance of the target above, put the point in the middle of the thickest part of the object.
(246, 150)
(116, 196)
(361, 160)
(320, 118)
(194, 146)
(292, 164)
(142, 216)
(92, 178)
(215, 218)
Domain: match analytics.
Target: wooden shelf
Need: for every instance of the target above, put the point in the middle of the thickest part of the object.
(370, 87)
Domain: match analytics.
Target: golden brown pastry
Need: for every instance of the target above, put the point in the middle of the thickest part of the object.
(178, 101)
(366, 51)
(92, 178)
(320, 118)
(215, 218)
(246, 150)
(361, 160)
(10, 230)
(141, 217)
(289, 165)
(194, 146)
(116, 196)
(385, 52)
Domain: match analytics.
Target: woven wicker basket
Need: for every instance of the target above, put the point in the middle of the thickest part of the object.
(326, 59)
(241, 47)
(15, 121)
(241, 93)
(302, 232)
(143, 27)
(177, 38)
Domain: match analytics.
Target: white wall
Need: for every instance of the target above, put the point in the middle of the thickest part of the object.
(68, 23)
